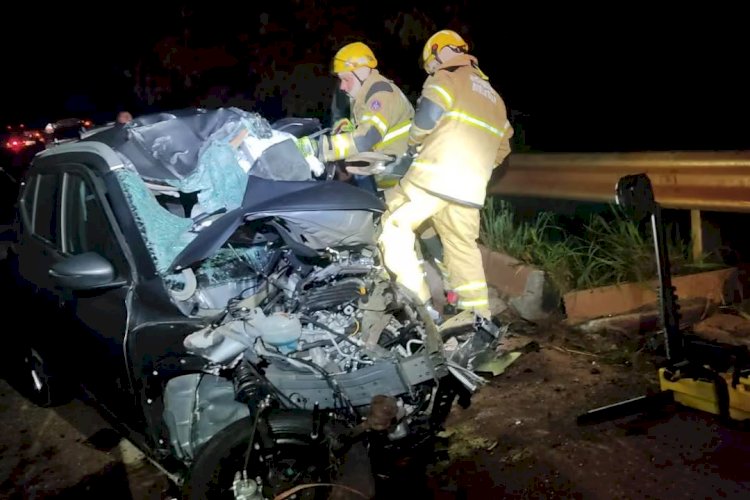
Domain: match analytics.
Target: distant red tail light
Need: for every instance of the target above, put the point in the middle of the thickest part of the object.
(15, 144)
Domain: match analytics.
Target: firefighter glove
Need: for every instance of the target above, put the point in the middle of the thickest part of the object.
(342, 126)
(307, 146)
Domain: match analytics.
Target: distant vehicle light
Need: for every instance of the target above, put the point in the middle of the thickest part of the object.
(15, 144)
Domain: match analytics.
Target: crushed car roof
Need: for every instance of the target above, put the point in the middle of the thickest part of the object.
(165, 146)
(186, 151)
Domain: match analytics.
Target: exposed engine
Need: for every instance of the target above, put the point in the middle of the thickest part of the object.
(330, 335)
(327, 332)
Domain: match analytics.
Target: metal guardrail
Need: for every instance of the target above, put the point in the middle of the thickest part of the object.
(694, 180)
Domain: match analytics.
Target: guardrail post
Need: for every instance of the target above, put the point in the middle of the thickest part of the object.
(696, 234)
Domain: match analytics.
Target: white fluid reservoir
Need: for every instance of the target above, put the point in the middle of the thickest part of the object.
(279, 330)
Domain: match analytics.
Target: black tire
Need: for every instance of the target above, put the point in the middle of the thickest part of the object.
(215, 465)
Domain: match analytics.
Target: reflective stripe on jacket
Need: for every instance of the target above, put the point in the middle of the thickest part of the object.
(456, 157)
(381, 114)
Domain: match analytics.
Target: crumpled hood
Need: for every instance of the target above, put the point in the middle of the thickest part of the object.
(267, 198)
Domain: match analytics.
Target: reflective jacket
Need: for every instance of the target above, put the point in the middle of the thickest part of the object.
(381, 114)
(461, 133)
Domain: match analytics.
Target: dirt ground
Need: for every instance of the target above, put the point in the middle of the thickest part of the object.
(69, 452)
(519, 438)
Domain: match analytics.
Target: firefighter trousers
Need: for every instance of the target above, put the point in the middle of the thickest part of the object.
(410, 209)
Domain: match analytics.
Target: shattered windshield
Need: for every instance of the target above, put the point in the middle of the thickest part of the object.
(182, 171)
(165, 233)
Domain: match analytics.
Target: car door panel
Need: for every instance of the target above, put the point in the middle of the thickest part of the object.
(100, 315)
(39, 243)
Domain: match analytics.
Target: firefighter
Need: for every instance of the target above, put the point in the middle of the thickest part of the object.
(459, 135)
(380, 112)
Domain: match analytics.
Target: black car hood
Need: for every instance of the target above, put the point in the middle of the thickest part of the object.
(270, 197)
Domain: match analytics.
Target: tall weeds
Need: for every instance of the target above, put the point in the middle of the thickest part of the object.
(606, 251)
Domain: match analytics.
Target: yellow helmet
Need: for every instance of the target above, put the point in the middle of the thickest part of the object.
(440, 40)
(352, 56)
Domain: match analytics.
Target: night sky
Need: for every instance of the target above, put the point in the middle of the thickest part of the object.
(575, 78)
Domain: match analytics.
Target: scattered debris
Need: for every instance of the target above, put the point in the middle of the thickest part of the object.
(464, 439)
(573, 351)
(727, 328)
(498, 365)
(647, 319)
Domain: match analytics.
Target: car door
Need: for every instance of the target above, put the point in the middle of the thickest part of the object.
(88, 225)
(39, 246)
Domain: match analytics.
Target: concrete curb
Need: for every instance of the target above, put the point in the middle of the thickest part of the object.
(525, 288)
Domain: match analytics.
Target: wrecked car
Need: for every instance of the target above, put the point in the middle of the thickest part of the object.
(229, 307)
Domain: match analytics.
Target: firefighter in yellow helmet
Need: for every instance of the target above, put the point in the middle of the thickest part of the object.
(380, 112)
(459, 135)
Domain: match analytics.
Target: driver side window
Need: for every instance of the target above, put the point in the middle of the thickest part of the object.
(86, 227)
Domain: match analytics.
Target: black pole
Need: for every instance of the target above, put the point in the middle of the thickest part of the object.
(669, 310)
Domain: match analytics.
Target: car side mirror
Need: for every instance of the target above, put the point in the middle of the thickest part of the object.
(86, 271)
